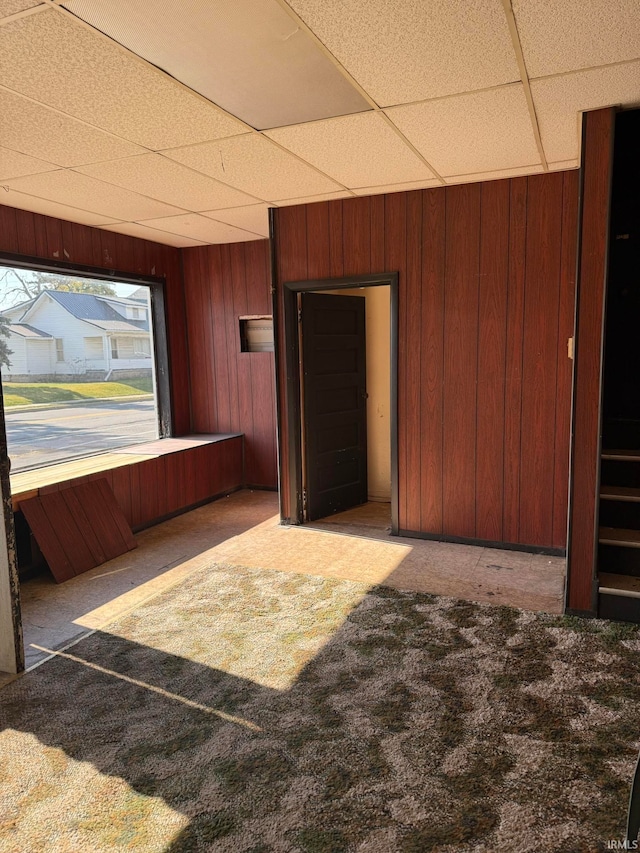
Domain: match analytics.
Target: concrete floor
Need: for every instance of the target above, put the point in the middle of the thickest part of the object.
(243, 529)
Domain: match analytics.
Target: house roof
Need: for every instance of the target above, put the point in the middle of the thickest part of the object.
(27, 331)
(92, 309)
(184, 127)
(97, 311)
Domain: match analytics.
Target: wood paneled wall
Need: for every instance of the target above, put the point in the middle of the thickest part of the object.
(231, 391)
(597, 153)
(46, 238)
(486, 307)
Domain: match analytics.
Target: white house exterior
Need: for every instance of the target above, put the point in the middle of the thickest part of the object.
(60, 334)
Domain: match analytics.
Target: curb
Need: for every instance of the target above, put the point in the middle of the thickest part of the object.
(65, 404)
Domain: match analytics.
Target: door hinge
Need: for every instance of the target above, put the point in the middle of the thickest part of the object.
(304, 500)
(299, 315)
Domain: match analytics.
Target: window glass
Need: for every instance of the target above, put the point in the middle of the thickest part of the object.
(77, 366)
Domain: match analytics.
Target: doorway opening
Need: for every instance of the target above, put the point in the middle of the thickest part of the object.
(619, 511)
(341, 359)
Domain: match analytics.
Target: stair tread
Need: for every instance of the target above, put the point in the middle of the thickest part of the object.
(622, 455)
(620, 493)
(623, 584)
(621, 536)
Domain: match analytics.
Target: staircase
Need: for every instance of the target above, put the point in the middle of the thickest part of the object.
(619, 529)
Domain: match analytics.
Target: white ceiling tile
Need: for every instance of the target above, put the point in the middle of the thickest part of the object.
(52, 208)
(40, 132)
(289, 202)
(359, 150)
(135, 229)
(63, 63)
(566, 35)
(397, 188)
(201, 228)
(407, 50)
(255, 165)
(14, 165)
(559, 100)
(248, 56)
(496, 175)
(12, 7)
(89, 194)
(478, 132)
(155, 176)
(254, 218)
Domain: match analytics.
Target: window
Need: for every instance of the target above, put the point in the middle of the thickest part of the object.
(93, 349)
(78, 341)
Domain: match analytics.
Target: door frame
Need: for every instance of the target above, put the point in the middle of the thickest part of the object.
(291, 467)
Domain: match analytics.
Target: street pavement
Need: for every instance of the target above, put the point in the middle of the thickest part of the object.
(44, 436)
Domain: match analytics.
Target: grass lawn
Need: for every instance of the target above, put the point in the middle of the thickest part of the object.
(22, 394)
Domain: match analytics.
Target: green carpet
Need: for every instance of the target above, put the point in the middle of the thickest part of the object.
(250, 711)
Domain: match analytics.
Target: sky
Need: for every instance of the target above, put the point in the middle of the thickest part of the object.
(10, 295)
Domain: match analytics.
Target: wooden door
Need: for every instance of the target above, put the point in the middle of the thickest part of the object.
(335, 413)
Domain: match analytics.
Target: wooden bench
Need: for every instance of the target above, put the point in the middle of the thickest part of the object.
(150, 481)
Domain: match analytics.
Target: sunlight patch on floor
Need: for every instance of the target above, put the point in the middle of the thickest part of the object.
(101, 812)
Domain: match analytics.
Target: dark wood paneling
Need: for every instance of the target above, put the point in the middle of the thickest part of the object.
(412, 356)
(485, 290)
(356, 224)
(492, 333)
(461, 359)
(45, 238)
(597, 153)
(513, 367)
(336, 242)
(540, 355)
(432, 358)
(318, 258)
(232, 391)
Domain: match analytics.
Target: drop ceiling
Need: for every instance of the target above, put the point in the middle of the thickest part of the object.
(183, 121)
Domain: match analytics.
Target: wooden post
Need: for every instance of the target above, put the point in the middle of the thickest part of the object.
(11, 643)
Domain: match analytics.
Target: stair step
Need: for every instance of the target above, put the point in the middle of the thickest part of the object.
(626, 585)
(619, 493)
(619, 536)
(622, 455)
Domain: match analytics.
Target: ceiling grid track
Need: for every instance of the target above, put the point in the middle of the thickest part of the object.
(517, 47)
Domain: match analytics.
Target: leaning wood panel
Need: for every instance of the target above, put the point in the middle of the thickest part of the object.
(597, 155)
(540, 355)
(47, 538)
(67, 538)
(432, 359)
(460, 359)
(492, 329)
(566, 322)
(105, 517)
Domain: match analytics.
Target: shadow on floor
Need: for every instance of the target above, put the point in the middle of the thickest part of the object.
(253, 710)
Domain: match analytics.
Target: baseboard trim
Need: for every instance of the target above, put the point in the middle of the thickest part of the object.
(485, 543)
